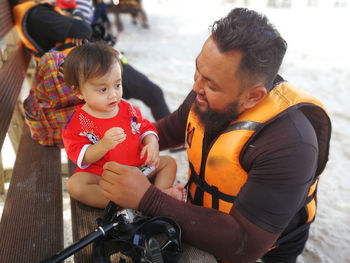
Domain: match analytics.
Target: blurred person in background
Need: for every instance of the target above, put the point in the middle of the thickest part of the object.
(42, 26)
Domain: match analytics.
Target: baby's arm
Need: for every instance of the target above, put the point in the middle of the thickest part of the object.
(111, 139)
(151, 147)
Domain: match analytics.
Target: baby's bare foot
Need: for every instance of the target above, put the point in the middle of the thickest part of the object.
(178, 192)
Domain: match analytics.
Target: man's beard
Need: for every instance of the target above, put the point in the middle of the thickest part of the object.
(214, 121)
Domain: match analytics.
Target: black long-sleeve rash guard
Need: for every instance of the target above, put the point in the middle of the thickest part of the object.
(280, 162)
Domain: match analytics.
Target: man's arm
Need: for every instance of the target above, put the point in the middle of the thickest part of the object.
(171, 129)
(227, 236)
(281, 163)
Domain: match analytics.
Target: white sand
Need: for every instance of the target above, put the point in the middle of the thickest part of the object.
(316, 60)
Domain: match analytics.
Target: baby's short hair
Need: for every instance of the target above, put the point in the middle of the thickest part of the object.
(88, 61)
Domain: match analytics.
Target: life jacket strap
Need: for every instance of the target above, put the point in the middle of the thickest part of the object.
(205, 187)
(64, 46)
(37, 55)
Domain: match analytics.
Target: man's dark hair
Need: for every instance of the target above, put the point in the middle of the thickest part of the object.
(261, 44)
(88, 61)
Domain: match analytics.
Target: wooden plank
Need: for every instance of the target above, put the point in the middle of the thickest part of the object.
(2, 177)
(12, 75)
(16, 126)
(6, 20)
(194, 255)
(83, 223)
(31, 226)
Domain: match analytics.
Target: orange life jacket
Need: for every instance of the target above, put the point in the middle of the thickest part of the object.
(223, 173)
(20, 13)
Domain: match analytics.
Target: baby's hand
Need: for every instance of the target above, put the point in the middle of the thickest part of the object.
(152, 150)
(77, 41)
(113, 137)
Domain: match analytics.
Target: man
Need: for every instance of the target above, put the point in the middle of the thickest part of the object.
(256, 146)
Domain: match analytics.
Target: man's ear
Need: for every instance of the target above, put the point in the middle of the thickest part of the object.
(253, 96)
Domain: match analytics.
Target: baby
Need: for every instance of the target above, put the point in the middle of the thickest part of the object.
(107, 128)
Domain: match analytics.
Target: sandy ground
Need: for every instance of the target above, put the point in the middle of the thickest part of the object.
(316, 60)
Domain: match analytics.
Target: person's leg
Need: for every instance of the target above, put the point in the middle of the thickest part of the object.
(289, 251)
(136, 85)
(80, 29)
(165, 173)
(134, 18)
(164, 177)
(84, 188)
(178, 191)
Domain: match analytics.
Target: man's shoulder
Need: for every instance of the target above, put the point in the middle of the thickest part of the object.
(281, 137)
(292, 127)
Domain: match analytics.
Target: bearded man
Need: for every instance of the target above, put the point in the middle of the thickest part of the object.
(256, 146)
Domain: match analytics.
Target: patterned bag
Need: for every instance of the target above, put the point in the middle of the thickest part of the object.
(50, 102)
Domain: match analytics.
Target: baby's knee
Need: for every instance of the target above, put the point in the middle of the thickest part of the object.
(168, 161)
(74, 187)
(69, 185)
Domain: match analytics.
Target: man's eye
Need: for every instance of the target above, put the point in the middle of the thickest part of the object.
(211, 88)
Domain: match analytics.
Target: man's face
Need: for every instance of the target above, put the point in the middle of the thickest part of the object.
(214, 121)
(217, 87)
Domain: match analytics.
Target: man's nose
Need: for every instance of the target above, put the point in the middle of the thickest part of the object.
(198, 84)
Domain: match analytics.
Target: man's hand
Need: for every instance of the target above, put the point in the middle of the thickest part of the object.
(124, 185)
(113, 137)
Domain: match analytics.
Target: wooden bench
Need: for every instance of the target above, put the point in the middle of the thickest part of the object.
(31, 227)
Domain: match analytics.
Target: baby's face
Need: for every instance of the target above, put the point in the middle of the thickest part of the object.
(102, 94)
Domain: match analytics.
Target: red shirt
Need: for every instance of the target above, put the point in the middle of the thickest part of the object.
(83, 130)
